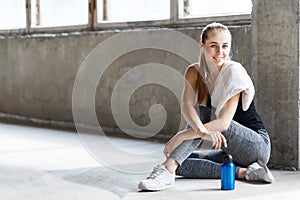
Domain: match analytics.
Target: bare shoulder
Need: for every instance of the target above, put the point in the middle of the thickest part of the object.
(192, 70)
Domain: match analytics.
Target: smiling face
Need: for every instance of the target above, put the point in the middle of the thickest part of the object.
(217, 43)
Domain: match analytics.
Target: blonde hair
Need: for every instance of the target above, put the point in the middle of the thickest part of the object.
(212, 27)
(201, 84)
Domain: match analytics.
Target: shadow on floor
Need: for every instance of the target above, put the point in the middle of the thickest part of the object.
(120, 183)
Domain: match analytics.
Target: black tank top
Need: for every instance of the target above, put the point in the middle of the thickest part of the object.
(249, 118)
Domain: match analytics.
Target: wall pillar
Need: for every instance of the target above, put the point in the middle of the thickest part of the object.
(275, 63)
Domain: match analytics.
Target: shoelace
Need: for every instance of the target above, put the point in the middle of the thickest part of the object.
(156, 173)
(256, 173)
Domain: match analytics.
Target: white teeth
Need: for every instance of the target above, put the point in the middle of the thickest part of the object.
(219, 59)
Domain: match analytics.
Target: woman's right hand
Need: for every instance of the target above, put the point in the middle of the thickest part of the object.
(217, 139)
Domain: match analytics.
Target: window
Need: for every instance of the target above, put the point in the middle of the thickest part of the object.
(132, 10)
(53, 13)
(209, 8)
(69, 15)
(12, 14)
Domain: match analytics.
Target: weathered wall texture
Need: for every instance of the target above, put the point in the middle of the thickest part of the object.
(38, 74)
(275, 28)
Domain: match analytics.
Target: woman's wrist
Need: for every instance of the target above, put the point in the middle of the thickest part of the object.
(200, 133)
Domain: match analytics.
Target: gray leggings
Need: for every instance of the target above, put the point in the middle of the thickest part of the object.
(245, 145)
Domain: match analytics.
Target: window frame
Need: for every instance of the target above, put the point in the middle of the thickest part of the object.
(70, 28)
(173, 22)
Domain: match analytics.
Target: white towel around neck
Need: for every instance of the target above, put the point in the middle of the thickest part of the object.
(231, 80)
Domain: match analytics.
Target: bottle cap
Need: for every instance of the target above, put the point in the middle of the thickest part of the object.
(227, 159)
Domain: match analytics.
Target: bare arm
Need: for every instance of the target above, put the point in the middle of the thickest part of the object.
(220, 124)
(226, 115)
(210, 131)
(188, 101)
(188, 110)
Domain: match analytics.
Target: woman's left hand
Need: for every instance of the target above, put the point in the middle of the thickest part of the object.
(171, 145)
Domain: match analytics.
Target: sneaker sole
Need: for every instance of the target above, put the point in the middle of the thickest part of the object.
(269, 178)
(143, 187)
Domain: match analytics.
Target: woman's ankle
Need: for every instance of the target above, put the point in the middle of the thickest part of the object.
(171, 165)
(242, 174)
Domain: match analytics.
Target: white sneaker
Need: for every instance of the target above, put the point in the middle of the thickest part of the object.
(159, 179)
(258, 171)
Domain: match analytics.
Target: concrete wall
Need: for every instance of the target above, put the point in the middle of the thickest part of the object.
(38, 74)
(275, 33)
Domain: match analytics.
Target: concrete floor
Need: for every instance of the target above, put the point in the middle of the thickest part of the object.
(39, 163)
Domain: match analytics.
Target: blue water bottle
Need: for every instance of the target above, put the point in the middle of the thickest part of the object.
(227, 173)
